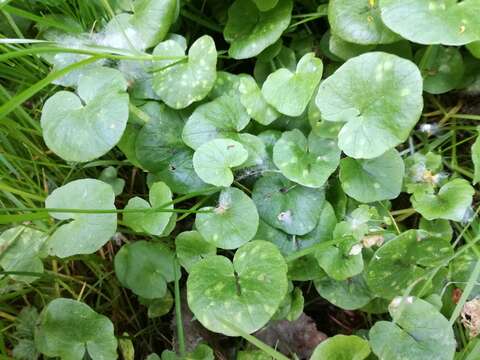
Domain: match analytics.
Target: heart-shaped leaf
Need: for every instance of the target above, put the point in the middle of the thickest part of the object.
(378, 96)
(181, 84)
(288, 206)
(359, 22)
(308, 162)
(69, 328)
(442, 68)
(219, 118)
(88, 232)
(403, 260)
(246, 292)
(250, 31)
(213, 161)
(84, 127)
(341, 261)
(146, 27)
(146, 268)
(433, 22)
(418, 332)
(232, 223)
(159, 140)
(153, 223)
(289, 92)
(342, 347)
(22, 249)
(191, 247)
(451, 202)
(373, 179)
(254, 102)
(349, 294)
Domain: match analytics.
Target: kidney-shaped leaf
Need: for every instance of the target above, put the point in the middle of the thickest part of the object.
(84, 127)
(418, 332)
(264, 5)
(232, 223)
(246, 293)
(67, 328)
(88, 232)
(379, 96)
(22, 249)
(359, 22)
(153, 223)
(403, 260)
(308, 162)
(146, 268)
(289, 92)
(180, 84)
(373, 179)
(433, 22)
(287, 206)
(219, 118)
(213, 161)
(342, 347)
(250, 31)
(451, 202)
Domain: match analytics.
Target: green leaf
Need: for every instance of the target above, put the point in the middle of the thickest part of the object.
(378, 96)
(346, 50)
(247, 291)
(290, 92)
(443, 68)
(250, 31)
(146, 268)
(341, 261)
(191, 247)
(451, 202)
(254, 102)
(418, 332)
(476, 160)
(342, 347)
(308, 162)
(181, 84)
(146, 27)
(159, 140)
(265, 5)
(433, 22)
(25, 333)
(86, 233)
(69, 328)
(288, 206)
(213, 161)
(349, 294)
(159, 306)
(22, 249)
(180, 175)
(232, 223)
(403, 260)
(84, 127)
(373, 179)
(359, 22)
(153, 223)
(219, 118)
(109, 176)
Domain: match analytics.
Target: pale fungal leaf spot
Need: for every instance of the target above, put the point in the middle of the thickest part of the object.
(112, 126)
(376, 185)
(261, 277)
(372, 240)
(432, 6)
(388, 65)
(285, 217)
(405, 92)
(409, 300)
(220, 286)
(356, 249)
(305, 172)
(462, 29)
(396, 302)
